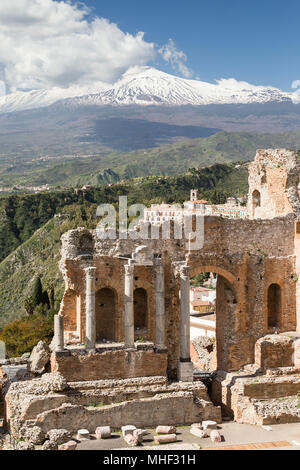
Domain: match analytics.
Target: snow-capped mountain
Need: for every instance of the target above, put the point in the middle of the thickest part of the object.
(146, 86)
(21, 101)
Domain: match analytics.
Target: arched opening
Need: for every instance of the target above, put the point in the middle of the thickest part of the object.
(274, 306)
(213, 313)
(105, 300)
(70, 310)
(255, 201)
(140, 311)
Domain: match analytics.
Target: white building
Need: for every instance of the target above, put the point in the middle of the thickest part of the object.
(159, 213)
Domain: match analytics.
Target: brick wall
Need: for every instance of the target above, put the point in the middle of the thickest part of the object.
(109, 365)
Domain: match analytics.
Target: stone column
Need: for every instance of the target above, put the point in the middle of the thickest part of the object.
(90, 316)
(128, 304)
(160, 303)
(185, 366)
(59, 332)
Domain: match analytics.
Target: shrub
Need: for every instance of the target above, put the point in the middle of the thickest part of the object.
(22, 335)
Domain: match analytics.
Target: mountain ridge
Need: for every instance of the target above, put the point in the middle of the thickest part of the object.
(146, 86)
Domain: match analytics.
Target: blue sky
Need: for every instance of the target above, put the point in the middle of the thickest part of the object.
(66, 43)
(255, 41)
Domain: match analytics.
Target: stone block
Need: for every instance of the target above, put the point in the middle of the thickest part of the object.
(39, 358)
(83, 435)
(71, 445)
(103, 432)
(274, 351)
(60, 436)
(127, 429)
(198, 432)
(165, 438)
(165, 430)
(209, 424)
(215, 436)
(131, 440)
(185, 371)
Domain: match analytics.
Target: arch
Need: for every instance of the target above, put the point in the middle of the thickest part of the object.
(140, 298)
(210, 268)
(105, 300)
(274, 306)
(256, 201)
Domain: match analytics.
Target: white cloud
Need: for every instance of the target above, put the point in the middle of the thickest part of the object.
(177, 59)
(46, 43)
(2, 88)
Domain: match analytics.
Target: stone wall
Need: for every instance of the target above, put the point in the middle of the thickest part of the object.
(115, 364)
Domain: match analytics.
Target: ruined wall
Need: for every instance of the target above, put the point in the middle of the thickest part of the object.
(118, 364)
(273, 183)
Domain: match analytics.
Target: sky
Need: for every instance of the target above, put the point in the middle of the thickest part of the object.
(51, 43)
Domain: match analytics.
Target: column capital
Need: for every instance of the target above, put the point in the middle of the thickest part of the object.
(184, 271)
(129, 268)
(90, 271)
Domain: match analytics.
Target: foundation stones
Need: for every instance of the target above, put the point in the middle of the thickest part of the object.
(83, 435)
(166, 430)
(165, 438)
(103, 432)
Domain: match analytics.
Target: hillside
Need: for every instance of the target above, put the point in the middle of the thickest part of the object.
(165, 160)
(35, 248)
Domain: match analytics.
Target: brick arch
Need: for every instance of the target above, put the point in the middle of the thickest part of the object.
(229, 330)
(211, 268)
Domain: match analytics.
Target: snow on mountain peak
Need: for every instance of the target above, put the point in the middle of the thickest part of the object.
(146, 86)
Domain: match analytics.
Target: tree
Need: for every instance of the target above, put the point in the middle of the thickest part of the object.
(52, 297)
(29, 305)
(37, 293)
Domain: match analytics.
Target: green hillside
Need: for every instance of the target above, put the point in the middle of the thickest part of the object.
(164, 160)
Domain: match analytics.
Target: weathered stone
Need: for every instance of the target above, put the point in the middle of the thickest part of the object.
(131, 440)
(70, 445)
(165, 430)
(198, 432)
(39, 358)
(209, 424)
(50, 445)
(165, 438)
(53, 382)
(103, 432)
(215, 436)
(60, 436)
(83, 435)
(139, 434)
(127, 429)
(25, 446)
(34, 435)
